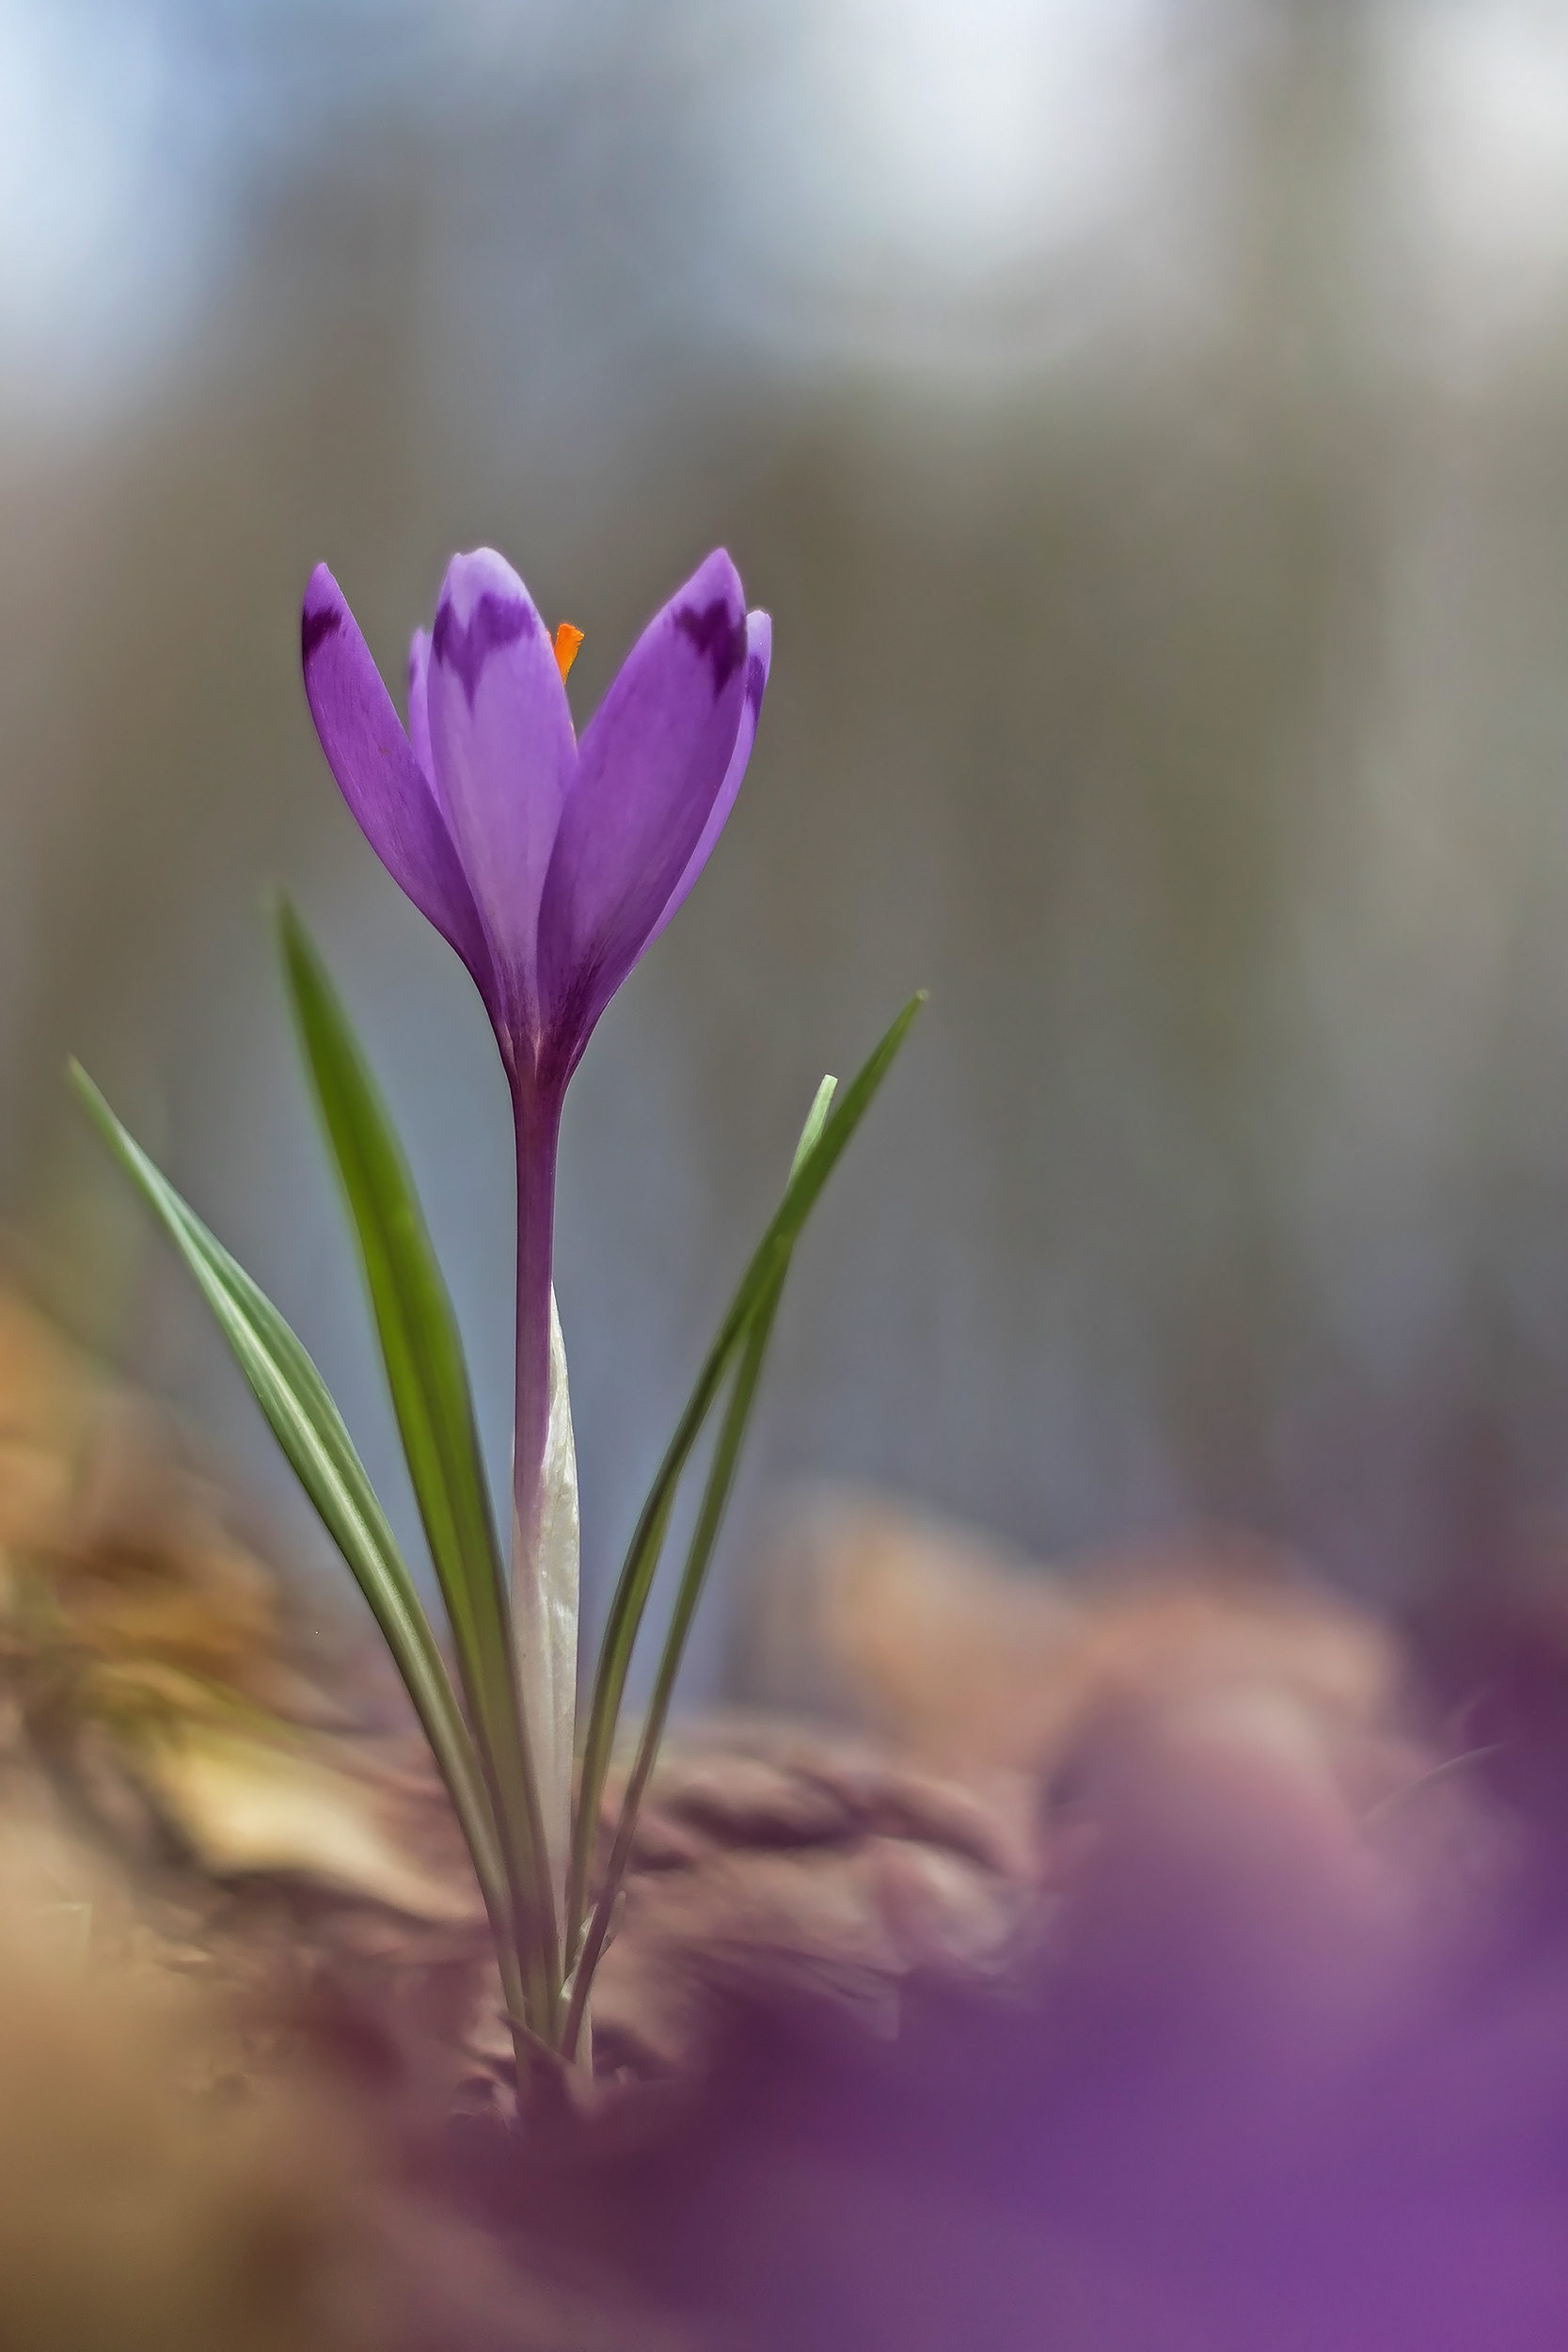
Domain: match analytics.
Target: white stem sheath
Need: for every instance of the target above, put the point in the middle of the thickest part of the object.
(545, 1617)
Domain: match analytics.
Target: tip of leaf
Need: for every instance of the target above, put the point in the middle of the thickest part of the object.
(93, 1102)
(300, 955)
(281, 912)
(277, 910)
(817, 1118)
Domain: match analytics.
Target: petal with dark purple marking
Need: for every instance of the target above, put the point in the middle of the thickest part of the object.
(314, 626)
(379, 776)
(502, 750)
(759, 655)
(652, 764)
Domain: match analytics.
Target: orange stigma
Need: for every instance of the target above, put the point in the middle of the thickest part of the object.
(567, 640)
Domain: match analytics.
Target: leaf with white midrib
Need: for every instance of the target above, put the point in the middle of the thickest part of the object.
(422, 1352)
(309, 1428)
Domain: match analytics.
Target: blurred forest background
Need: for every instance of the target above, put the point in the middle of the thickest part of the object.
(1148, 424)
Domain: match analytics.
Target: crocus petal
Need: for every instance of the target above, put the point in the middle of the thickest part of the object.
(379, 776)
(503, 752)
(652, 764)
(759, 655)
(419, 703)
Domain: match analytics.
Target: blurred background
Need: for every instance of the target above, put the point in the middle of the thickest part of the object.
(1148, 424)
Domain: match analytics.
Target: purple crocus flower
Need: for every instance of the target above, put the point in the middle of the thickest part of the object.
(547, 863)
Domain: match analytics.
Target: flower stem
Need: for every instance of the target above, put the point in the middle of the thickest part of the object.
(542, 1840)
(538, 1130)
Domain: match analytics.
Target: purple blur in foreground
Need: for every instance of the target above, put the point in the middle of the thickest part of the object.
(548, 864)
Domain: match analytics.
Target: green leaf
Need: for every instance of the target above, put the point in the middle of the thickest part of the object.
(309, 1428)
(710, 1516)
(817, 1118)
(423, 1351)
(816, 1158)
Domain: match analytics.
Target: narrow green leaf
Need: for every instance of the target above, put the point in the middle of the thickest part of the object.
(721, 1482)
(311, 1431)
(817, 1118)
(814, 1162)
(715, 1496)
(423, 1351)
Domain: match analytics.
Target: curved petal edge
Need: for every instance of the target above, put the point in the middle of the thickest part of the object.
(380, 777)
(759, 657)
